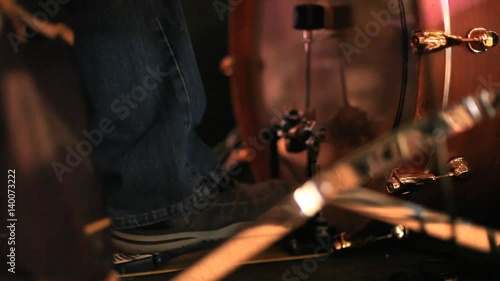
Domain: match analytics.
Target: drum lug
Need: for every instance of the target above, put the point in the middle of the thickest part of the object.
(479, 40)
(399, 184)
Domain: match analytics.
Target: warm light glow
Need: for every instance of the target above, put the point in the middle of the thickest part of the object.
(309, 199)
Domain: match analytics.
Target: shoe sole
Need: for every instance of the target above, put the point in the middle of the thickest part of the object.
(141, 244)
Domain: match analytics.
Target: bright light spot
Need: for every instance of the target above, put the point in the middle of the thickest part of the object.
(400, 232)
(309, 199)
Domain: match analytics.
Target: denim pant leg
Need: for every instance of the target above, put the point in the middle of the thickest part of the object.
(146, 96)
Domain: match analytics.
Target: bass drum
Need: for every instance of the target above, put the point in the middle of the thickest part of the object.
(366, 81)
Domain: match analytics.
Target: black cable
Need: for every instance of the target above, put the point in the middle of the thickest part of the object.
(404, 71)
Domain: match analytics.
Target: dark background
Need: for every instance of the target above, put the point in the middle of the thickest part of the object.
(209, 35)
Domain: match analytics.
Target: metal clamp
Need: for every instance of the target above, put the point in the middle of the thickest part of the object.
(343, 241)
(403, 183)
(479, 40)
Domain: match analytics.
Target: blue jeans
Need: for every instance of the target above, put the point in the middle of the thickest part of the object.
(143, 84)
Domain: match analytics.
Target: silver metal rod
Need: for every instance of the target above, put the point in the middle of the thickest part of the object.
(308, 38)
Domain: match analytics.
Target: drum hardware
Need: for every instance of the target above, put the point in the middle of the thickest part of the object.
(299, 129)
(399, 184)
(343, 241)
(354, 171)
(301, 134)
(340, 186)
(304, 134)
(418, 77)
(389, 209)
(402, 184)
(308, 18)
(479, 40)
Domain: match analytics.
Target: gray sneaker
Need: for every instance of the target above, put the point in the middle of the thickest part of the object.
(212, 215)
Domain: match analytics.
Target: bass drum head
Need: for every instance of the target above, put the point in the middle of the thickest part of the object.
(366, 81)
(359, 74)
